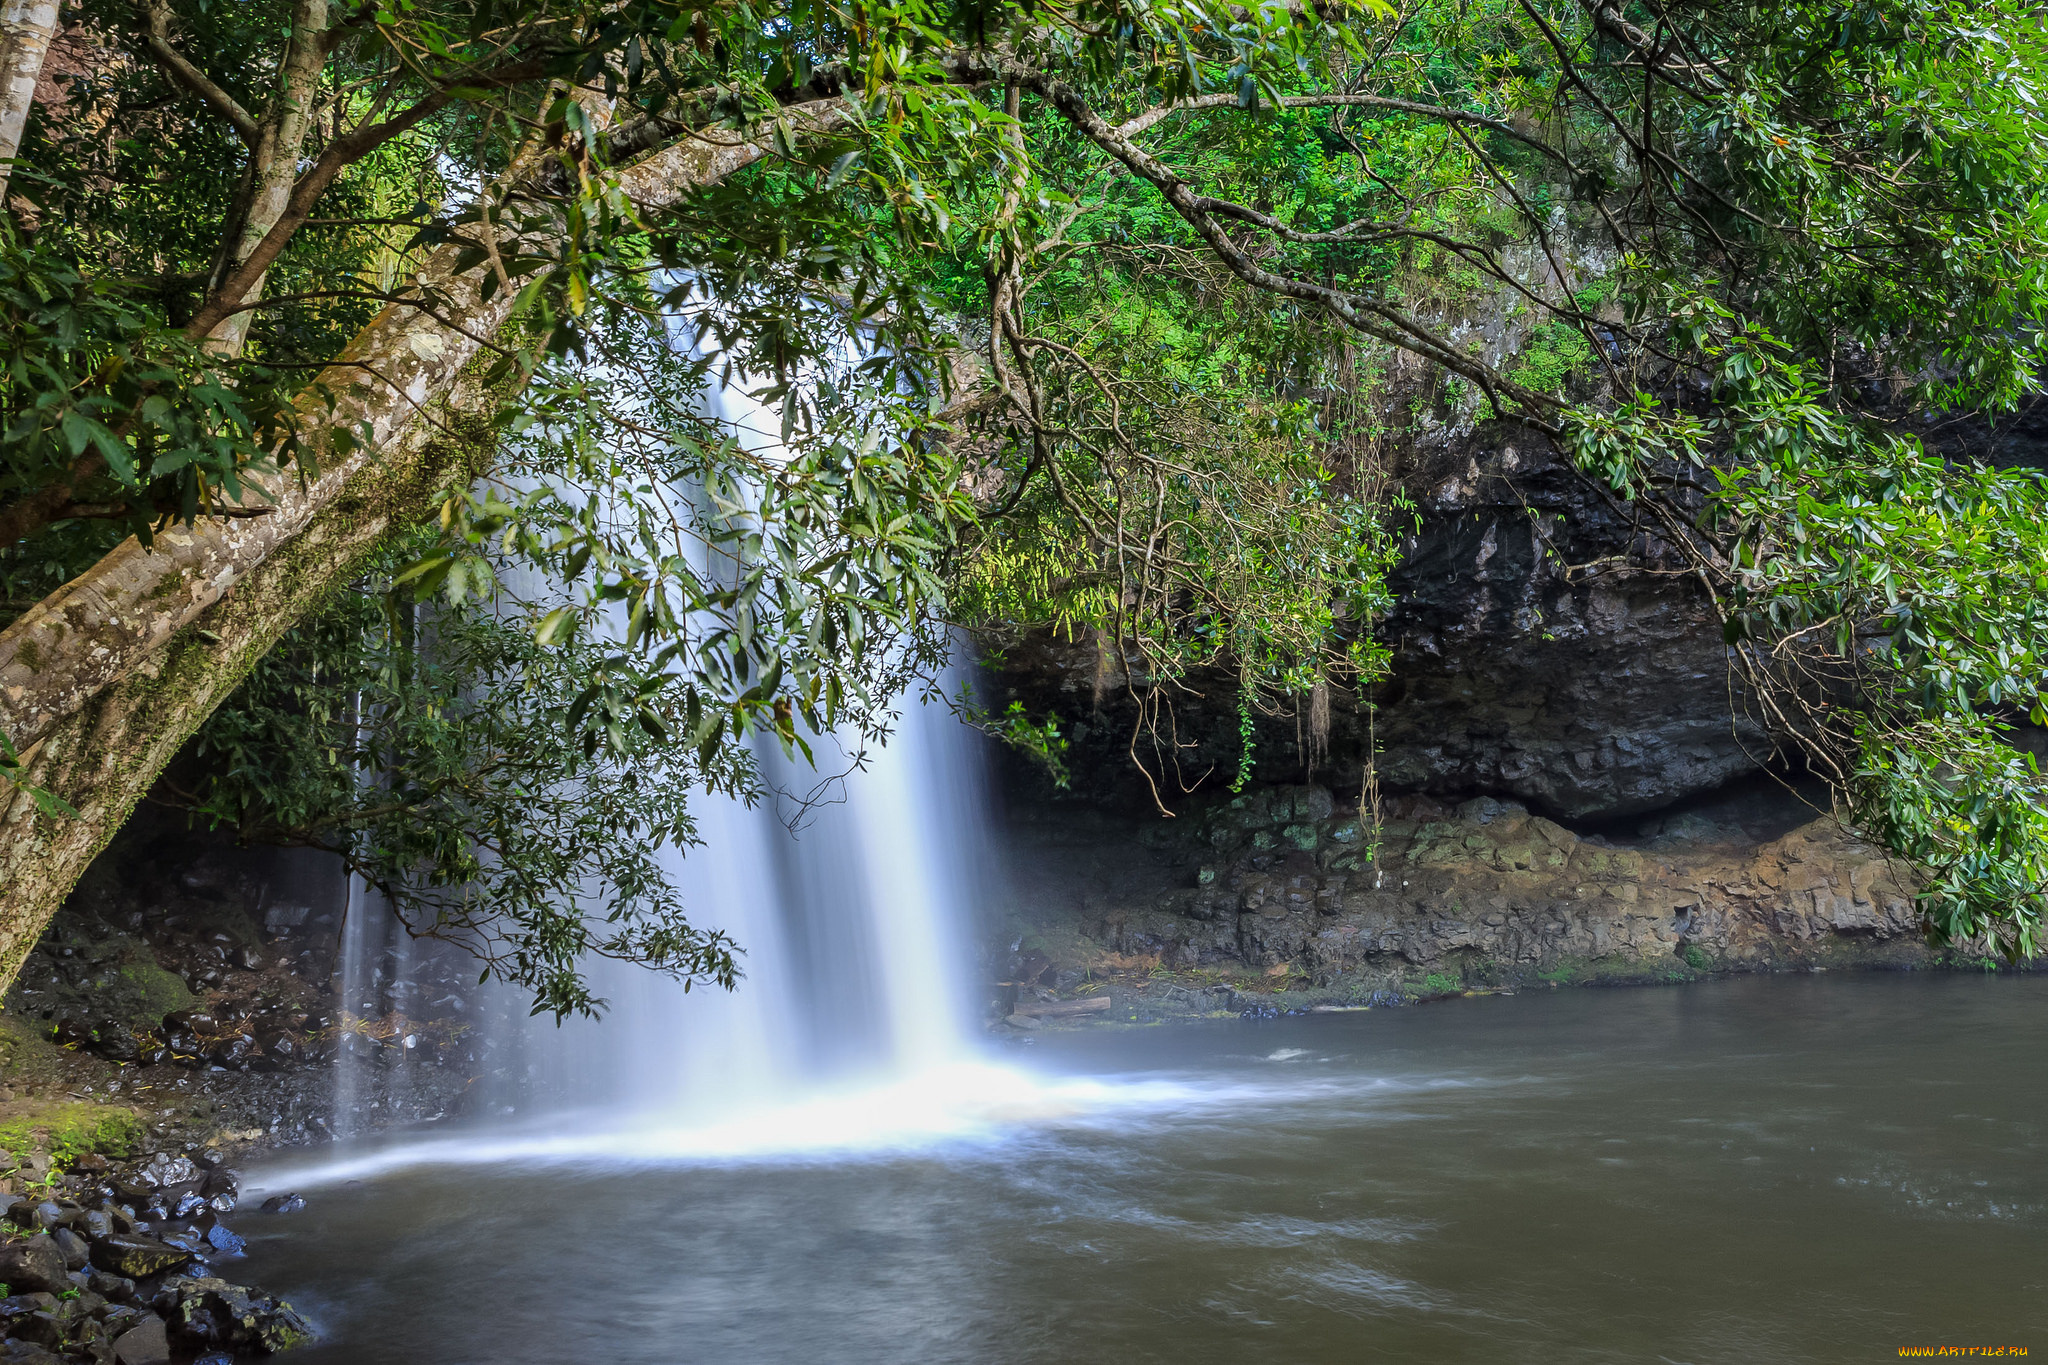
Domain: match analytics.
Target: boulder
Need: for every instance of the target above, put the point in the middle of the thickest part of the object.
(73, 1247)
(213, 1312)
(136, 1257)
(165, 1169)
(146, 1343)
(115, 1287)
(36, 1264)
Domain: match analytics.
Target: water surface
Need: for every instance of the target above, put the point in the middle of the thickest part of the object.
(1777, 1169)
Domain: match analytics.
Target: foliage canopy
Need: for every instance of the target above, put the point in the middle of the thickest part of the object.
(1070, 316)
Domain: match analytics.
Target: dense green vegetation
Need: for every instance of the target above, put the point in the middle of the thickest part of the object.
(1089, 319)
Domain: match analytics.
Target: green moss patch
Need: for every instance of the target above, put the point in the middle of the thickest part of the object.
(68, 1131)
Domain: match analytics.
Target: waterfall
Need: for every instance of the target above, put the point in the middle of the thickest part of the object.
(850, 890)
(851, 911)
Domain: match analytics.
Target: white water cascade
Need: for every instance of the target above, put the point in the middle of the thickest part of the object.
(849, 890)
(852, 913)
(852, 894)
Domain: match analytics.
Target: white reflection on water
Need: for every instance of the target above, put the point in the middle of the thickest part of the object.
(960, 1105)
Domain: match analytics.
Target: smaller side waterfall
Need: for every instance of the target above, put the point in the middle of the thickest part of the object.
(375, 994)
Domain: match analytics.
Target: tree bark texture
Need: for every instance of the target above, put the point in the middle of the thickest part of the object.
(275, 157)
(103, 681)
(96, 629)
(26, 27)
(103, 757)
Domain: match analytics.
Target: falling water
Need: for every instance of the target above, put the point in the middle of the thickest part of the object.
(849, 890)
(374, 989)
(850, 909)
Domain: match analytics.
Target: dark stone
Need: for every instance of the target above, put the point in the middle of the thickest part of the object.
(146, 1343)
(75, 1251)
(28, 1353)
(279, 919)
(1584, 694)
(191, 1021)
(35, 1265)
(45, 1328)
(224, 1241)
(20, 1305)
(283, 1203)
(215, 1313)
(49, 1214)
(115, 1287)
(220, 1181)
(185, 1239)
(94, 1223)
(71, 1031)
(137, 1257)
(165, 1169)
(232, 1052)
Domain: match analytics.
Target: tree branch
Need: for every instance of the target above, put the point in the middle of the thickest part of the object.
(121, 613)
(335, 158)
(1384, 323)
(157, 38)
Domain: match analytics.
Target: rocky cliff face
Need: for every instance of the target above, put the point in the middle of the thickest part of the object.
(1544, 653)
(1280, 898)
(1544, 650)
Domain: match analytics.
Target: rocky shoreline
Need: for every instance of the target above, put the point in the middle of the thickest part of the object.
(1283, 900)
(117, 1266)
(164, 1026)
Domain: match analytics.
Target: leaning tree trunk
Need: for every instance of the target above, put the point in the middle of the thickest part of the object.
(101, 682)
(100, 626)
(104, 756)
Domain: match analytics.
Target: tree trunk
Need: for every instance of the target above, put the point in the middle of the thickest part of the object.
(100, 626)
(26, 27)
(103, 757)
(275, 158)
(103, 681)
